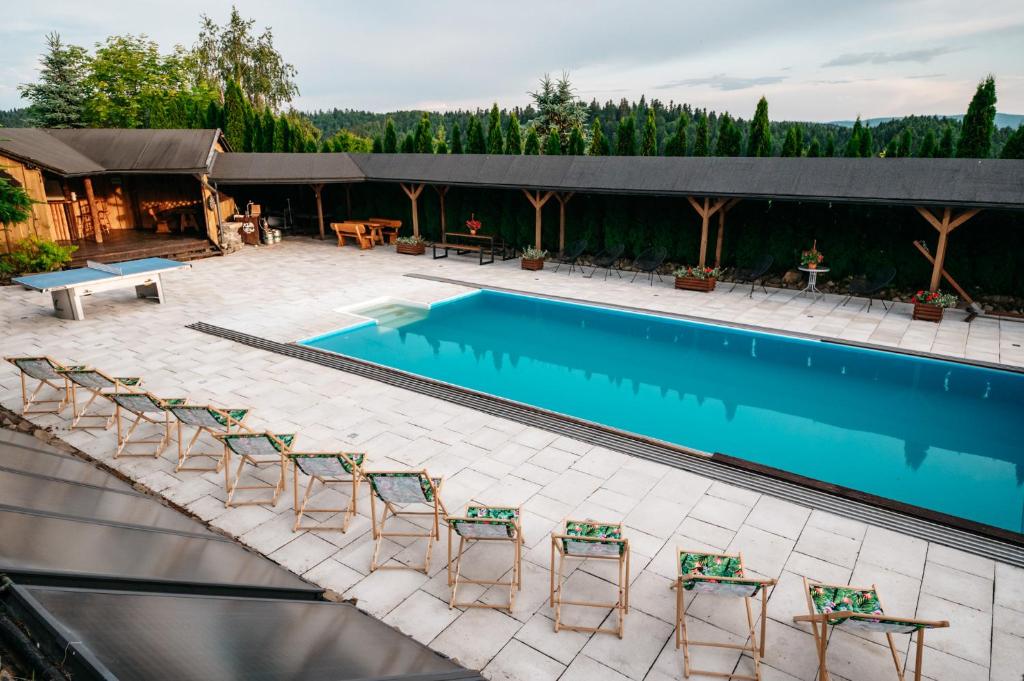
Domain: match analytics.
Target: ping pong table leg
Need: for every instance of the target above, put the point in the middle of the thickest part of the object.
(67, 304)
(151, 290)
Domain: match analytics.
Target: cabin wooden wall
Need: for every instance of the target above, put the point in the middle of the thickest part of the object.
(40, 223)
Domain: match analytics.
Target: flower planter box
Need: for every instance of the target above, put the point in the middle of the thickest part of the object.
(694, 284)
(533, 265)
(928, 313)
(411, 249)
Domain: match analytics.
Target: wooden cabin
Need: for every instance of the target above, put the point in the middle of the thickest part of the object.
(117, 194)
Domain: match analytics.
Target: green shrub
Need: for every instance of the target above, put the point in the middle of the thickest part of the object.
(33, 254)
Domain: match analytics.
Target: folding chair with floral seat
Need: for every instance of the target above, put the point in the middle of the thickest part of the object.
(258, 450)
(590, 540)
(143, 406)
(719, 574)
(98, 385)
(487, 524)
(327, 468)
(397, 490)
(205, 419)
(46, 372)
(859, 608)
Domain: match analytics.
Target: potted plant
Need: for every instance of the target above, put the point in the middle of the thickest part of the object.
(813, 258)
(928, 305)
(472, 224)
(533, 259)
(410, 245)
(697, 278)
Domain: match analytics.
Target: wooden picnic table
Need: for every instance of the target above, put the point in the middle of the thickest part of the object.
(467, 242)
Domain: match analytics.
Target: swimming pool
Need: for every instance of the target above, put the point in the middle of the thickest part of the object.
(941, 435)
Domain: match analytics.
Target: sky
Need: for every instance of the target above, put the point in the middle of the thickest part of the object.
(822, 61)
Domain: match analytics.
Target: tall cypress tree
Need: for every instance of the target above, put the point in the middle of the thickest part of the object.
(830, 145)
(423, 140)
(268, 130)
(729, 137)
(760, 142)
(906, 144)
(532, 145)
(927, 149)
(867, 143)
(378, 145)
(1014, 147)
(234, 116)
(408, 144)
(214, 116)
(676, 145)
(513, 136)
(946, 143)
(390, 137)
(814, 148)
(979, 122)
(625, 138)
(282, 135)
(577, 145)
(441, 140)
(701, 136)
(495, 143)
(792, 145)
(853, 144)
(553, 144)
(649, 141)
(598, 142)
(475, 143)
(457, 139)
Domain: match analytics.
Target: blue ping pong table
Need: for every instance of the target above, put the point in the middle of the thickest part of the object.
(68, 287)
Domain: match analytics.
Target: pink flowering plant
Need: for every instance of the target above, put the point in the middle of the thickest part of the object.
(698, 272)
(936, 298)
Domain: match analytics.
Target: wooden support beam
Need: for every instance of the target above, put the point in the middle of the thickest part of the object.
(348, 201)
(317, 189)
(413, 192)
(944, 226)
(945, 275)
(538, 202)
(441, 190)
(721, 230)
(75, 234)
(562, 200)
(705, 210)
(97, 229)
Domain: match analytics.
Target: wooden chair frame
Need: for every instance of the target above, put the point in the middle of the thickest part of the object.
(302, 506)
(352, 230)
(820, 623)
(515, 537)
(556, 599)
(379, 533)
(30, 399)
(82, 413)
(124, 435)
(282, 443)
(754, 644)
(233, 422)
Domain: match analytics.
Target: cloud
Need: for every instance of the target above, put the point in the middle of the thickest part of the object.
(927, 76)
(723, 82)
(919, 56)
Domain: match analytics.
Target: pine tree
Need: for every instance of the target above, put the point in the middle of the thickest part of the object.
(760, 142)
(310, 146)
(830, 146)
(625, 138)
(60, 97)
(553, 145)
(268, 124)
(906, 144)
(423, 141)
(440, 140)
(532, 145)
(408, 144)
(979, 122)
(234, 116)
(701, 134)
(577, 145)
(378, 145)
(1014, 147)
(282, 135)
(649, 143)
(793, 145)
(457, 139)
(946, 144)
(853, 144)
(814, 148)
(513, 136)
(892, 149)
(475, 143)
(927, 149)
(676, 145)
(390, 137)
(598, 142)
(867, 143)
(495, 143)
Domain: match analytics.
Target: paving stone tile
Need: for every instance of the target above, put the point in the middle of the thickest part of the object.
(657, 517)
(894, 551)
(421, 616)
(969, 635)
(383, 590)
(1010, 586)
(635, 653)
(961, 560)
(330, 574)
(721, 512)
(303, 552)
(669, 664)
(959, 587)
(778, 517)
(833, 548)
(830, 522)
(520, 662)
(763, 552)
(476, 637)
(941, 666)
(585, 668)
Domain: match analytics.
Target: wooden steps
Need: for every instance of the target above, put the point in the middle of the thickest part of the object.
(144, 245)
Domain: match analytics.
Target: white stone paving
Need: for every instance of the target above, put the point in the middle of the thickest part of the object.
(291, 291)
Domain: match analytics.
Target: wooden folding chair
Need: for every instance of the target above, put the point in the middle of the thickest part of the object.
(205, 419)
(486, 524)
(144, 407)
(327, 468)
(859, 608)
(719, 574)
(46, 372)
(98, 386)
(590, 540)
(397, 490)
(258, 450)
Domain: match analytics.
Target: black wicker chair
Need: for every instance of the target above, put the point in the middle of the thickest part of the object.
(607, 260)
(571, 255)
(648, 263)
(750, 275)
(871, 286)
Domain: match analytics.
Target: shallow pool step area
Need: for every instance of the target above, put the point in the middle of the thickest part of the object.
(393, 315)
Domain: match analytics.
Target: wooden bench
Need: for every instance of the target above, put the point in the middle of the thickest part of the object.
(352, 230)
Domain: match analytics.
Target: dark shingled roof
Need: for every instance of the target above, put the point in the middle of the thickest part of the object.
(74, 152)
(285, 169)
(35, 146)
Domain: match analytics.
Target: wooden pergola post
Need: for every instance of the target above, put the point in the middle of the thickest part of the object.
(317, 189)
(413, 195)
(90, 197)
(721, 230)
(562, 200)
(441, 191)
(538, 202)
(348, 201)
(944, 227)
(705, 212)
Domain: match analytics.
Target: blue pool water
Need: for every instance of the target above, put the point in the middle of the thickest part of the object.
(935, 434)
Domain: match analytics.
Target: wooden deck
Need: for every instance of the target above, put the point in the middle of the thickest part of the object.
(131, 244)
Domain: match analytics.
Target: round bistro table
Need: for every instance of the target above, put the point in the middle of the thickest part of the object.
(812, 280)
